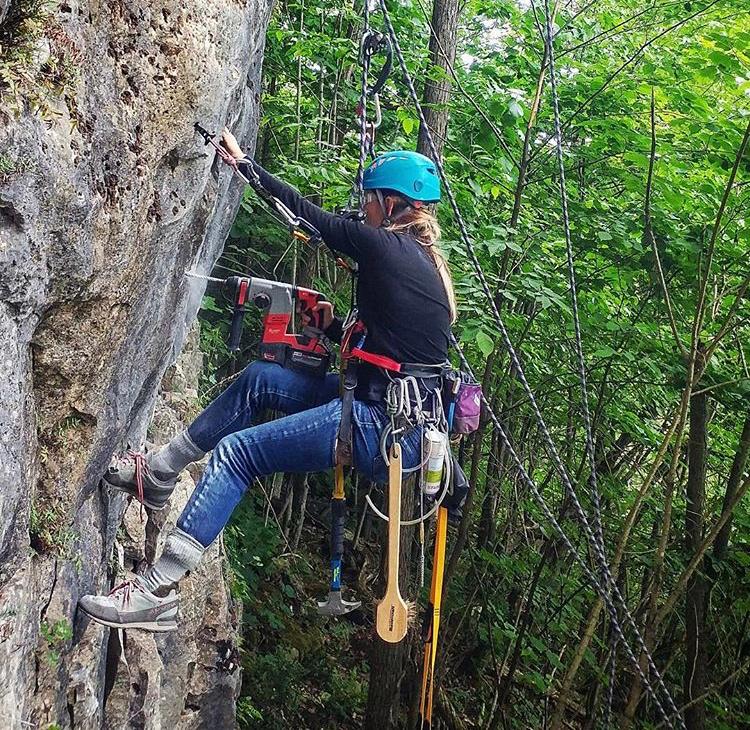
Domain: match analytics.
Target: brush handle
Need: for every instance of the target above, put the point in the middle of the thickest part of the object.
(394, 515)
(392, 614)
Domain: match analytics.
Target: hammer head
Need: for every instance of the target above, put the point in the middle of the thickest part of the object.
(335, 605)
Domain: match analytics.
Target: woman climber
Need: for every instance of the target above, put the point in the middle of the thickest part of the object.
(405, 300)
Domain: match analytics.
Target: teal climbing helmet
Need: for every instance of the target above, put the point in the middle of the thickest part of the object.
(409, 173)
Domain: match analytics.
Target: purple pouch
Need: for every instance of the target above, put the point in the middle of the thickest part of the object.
(468, 408)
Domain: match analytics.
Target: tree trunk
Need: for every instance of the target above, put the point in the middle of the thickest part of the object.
(694, 680)
(735, 476)
(437, 93)
(387, 660)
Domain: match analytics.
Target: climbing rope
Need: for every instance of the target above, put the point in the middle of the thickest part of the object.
(595, 498)
(601, 587)
(372, 42)
(588, 429)
(593, 486)
(364, 59)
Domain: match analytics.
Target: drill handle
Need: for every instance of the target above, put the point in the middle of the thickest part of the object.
(238, 286)
(307, 301)
(238, 315)
(316, 319)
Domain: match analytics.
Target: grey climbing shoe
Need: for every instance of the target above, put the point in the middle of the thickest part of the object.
(131, 606)
(132, 474)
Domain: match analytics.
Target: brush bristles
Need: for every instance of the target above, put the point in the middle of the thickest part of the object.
(411, 611)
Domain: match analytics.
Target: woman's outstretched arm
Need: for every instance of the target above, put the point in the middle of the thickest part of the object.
(352, 238)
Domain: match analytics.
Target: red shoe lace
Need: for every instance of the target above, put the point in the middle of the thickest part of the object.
(140, 469)
(126, 587)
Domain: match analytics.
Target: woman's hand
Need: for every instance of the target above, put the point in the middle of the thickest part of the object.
(326, 308)
(229, 141)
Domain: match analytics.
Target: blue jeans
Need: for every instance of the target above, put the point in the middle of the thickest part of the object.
(303, 441)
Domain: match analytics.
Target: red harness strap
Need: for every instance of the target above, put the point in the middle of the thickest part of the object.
(380, 361)
(357, 333)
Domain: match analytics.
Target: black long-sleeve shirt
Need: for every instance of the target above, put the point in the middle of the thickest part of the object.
(400, 295)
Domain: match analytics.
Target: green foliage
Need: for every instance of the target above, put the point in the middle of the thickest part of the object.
(54, 636)
(49, 535)
(10, 166)
(38, 61)
(611, 56)
(291, 675)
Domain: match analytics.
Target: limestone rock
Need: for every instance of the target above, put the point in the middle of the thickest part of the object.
(110, 197)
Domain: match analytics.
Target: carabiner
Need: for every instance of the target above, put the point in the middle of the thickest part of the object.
(372, 43)
(378, 114)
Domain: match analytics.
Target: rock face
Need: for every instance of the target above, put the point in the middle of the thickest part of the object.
(104, 203)
(188, 678)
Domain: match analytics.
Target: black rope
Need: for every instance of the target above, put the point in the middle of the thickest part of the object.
(611, 686)
(593, 541)
(593, 487)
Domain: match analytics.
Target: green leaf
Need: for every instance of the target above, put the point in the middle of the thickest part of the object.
(209, 305)
(475, 187)
(603, 351)
(485, 343)
(408, 124)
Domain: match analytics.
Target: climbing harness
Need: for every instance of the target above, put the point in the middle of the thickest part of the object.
(607, 588)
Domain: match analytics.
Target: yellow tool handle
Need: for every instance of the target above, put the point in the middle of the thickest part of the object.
(436, 602)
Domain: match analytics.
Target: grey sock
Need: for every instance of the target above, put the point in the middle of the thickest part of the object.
(182, 552)
(170, 460)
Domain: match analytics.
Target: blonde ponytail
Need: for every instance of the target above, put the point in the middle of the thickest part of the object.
(423, 226)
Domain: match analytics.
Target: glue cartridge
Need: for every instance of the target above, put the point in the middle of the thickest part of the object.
(433, 444)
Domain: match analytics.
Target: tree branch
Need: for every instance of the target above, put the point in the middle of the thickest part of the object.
(699, 310)
(700, 552)
(648, 230)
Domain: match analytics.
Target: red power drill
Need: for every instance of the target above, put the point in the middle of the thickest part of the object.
(303, 352)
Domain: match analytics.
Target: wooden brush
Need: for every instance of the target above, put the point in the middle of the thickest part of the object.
(392, 613)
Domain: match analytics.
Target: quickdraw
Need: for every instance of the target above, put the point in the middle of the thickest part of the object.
(300, 228)
(372, 43)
